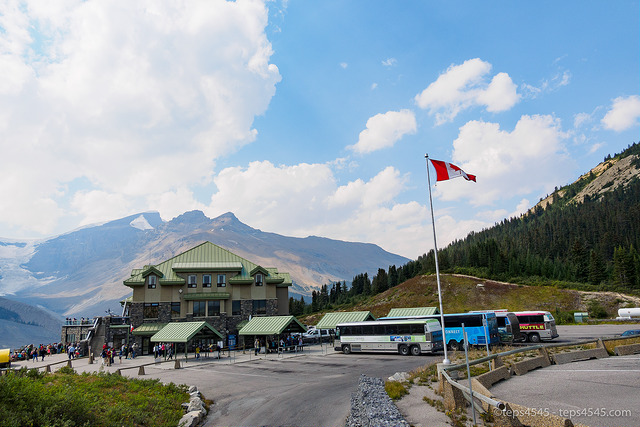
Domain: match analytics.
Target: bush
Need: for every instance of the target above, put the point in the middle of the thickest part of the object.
(596, 310)
(66, 399)
(395, 389)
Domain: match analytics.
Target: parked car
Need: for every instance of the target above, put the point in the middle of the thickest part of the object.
(314, 336)
(630, 333)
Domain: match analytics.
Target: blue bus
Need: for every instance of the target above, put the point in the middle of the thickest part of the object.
(477, 334)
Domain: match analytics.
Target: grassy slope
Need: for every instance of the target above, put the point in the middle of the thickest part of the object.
(461, 293)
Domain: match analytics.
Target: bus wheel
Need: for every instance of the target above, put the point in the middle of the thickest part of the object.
(403, 350)
(415, 350)
(534, 338)
(346, 349)
(525, 337)
(455, 345)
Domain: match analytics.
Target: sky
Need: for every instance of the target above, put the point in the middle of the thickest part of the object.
(308, 117)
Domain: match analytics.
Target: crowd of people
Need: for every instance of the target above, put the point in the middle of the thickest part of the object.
(37, 353)
(272, 345)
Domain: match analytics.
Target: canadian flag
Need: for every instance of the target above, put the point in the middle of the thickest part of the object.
(447, 171)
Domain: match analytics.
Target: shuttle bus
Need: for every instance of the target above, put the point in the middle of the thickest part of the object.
(403, 336)
(537, 325)
(479, 327)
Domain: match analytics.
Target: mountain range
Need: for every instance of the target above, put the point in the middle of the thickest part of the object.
(80, 273)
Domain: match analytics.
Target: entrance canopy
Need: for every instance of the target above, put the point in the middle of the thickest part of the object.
(148, 329)
(272, 325)
(186, 331)
(330, 320)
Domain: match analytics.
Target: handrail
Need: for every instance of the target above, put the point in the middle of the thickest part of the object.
(492, 357)
(498, 404)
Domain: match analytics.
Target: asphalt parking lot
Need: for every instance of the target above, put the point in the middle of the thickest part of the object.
(597, 393)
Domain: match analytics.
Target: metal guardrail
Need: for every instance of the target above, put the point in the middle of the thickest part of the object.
(467, 392)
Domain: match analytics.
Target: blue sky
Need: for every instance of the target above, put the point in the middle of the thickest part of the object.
(308, 118)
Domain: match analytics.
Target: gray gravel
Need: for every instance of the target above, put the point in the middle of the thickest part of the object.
(372, 407)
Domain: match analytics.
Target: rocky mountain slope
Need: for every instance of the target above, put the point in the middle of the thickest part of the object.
(607, 176)
(80, 273)
(22, 324)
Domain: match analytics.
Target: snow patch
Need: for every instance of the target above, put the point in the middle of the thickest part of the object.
(141, 223)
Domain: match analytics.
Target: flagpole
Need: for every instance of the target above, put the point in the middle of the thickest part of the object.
(446, 360)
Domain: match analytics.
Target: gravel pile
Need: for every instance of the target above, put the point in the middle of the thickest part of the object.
(372, 407)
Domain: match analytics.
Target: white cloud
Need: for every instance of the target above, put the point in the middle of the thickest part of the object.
(140, 98)
(559, 80)
(390, 62)
(624, 113)
(304, 199)
(383, 130)
(581, 119)
(531, 158)
(464, 86)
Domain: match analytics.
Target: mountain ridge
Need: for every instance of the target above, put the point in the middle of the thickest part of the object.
(81, 272)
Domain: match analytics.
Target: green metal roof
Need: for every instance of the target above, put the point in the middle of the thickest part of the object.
(414, 311)
(148, 328)
(185, 331)
(330, 320)
(272, 325)
(207, 257)
(207, 266)
(206, 295)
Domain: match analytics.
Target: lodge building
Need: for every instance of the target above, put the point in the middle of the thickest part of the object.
(206, 283)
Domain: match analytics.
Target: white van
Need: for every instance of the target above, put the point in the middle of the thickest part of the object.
(314, 336)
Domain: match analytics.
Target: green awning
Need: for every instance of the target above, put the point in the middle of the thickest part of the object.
(414, 311)
(272, 325)
(185, 331)
(330, 320)
(206, 295)
(148, 328)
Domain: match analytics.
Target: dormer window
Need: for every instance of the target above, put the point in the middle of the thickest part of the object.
(259, 281)
(191, 281)
(151, 282)
(206, 281)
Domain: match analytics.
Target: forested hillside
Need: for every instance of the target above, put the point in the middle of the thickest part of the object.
(583, 236)
(592, 242)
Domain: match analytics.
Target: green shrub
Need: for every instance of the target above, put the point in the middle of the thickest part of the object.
(596, 310)
(395, 389)
(66, 399)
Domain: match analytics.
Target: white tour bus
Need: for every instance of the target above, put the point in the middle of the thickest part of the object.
(404, 336)
(537, 326)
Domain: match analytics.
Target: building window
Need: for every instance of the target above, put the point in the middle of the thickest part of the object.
(175, 309)
(152, 280)
(236, 308)
(259, 281)
(198, 308)
(206, 281)
(213, 308)
(259, 306)
(191, 281)
(222, 280)
(150, 310)
(71, 338)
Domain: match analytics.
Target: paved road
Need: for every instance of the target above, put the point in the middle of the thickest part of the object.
(597, 393)
(310, 390)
